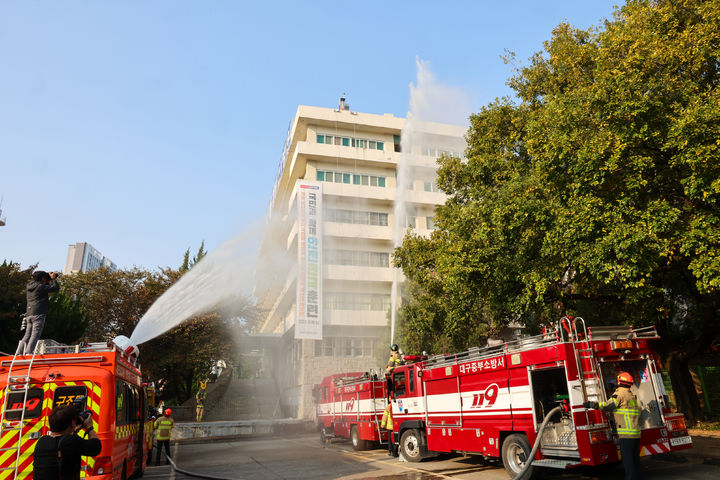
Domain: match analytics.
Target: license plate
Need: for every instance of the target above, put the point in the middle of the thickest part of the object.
(680, 441)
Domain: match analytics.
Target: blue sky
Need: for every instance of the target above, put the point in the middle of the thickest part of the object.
(144, 127)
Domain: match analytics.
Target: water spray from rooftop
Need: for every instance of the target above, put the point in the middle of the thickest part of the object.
(430, 102)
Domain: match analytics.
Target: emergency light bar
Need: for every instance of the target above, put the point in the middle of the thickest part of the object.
(621, 345)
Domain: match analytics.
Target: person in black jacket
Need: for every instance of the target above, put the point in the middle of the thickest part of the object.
(57, 455)
(42, 285)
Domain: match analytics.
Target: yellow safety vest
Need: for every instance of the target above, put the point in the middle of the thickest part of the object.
(387, 421)
(164, 426)
(626, 412)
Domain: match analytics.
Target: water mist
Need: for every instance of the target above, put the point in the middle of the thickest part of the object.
(222, 276)
(430, 102)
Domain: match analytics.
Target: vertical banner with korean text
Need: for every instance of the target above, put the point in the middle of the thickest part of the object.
(308, 323)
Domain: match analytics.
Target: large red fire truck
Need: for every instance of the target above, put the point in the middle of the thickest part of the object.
(491, 401)
(99, 377)
(351, 405)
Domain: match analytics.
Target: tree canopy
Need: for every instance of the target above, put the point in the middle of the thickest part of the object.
(593, 193)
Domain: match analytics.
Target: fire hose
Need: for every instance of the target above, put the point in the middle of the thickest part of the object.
(195, 474)
(534, 450)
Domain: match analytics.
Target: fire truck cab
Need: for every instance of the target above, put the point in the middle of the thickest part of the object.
(491, 401)
(351, 405)
(96, 377)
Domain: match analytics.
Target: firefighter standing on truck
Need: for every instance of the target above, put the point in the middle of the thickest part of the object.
(395, 358)
(626, 413)
(387, 422)
(164, 426)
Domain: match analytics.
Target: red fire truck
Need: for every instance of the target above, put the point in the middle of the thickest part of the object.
(351, 405)
(491, 401)
(99, 377)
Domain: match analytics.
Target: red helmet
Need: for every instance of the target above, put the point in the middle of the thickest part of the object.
(168, 412)
(625, 379)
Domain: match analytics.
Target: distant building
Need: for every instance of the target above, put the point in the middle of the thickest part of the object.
(82, 257)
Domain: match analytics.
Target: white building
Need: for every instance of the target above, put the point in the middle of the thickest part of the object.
(352, 158)
(82, 257)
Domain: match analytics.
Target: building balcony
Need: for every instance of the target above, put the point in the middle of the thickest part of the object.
(364, 156)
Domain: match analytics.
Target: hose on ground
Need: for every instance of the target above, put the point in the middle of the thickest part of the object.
(195, 474)
(534, 450)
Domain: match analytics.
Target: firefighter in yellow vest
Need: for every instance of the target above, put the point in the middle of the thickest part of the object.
(626, 412)
(395, 358)
(200, 400)
(387, 423)
(163, 427)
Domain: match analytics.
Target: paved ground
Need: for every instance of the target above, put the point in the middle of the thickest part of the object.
(302, 457)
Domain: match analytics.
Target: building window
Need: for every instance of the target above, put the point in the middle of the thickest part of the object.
(396, 143)
(430, 223)
(357, 258)
(345, 347)
(431, 187)
(357, 217)
(350, 142)
(355, 179)
(376, 302)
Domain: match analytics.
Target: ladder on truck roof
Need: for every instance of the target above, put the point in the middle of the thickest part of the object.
(15, 384)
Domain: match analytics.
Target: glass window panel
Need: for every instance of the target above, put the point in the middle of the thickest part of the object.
(373, 181)
(338, 177)
(430, 223)
(353, 141)
(364, 179)
(338, 140)
(346, 142)
(328, 139)
(356, 179)
(320, 176)
(381, 182)
(346, 178)
(380, 146)
(428, 187)
(320, 138)
(372, 144)
(374, 218)
(363, 259)
(383, 219)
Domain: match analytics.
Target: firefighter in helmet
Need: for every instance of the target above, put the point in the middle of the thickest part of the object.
(626, 412)
(200, 400)
(395, 358)
(163, 427)
(387, 423)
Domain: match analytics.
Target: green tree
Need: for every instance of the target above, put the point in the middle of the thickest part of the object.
(595, 193)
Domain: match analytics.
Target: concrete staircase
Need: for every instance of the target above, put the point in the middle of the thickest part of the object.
(246, 399)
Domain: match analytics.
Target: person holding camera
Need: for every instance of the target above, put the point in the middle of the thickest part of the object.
(38, 289)
(57, 454)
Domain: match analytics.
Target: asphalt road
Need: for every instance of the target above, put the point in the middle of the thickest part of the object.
(303, 457)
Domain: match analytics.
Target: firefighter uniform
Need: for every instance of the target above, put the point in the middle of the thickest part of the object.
(164, 426)
(626, 413)
(387, 423)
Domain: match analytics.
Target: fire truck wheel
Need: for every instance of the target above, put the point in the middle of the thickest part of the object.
(515, 452)
(412, 447)
(357, 443)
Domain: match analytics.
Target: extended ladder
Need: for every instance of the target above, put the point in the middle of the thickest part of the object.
(15, 384)
(584, 359)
